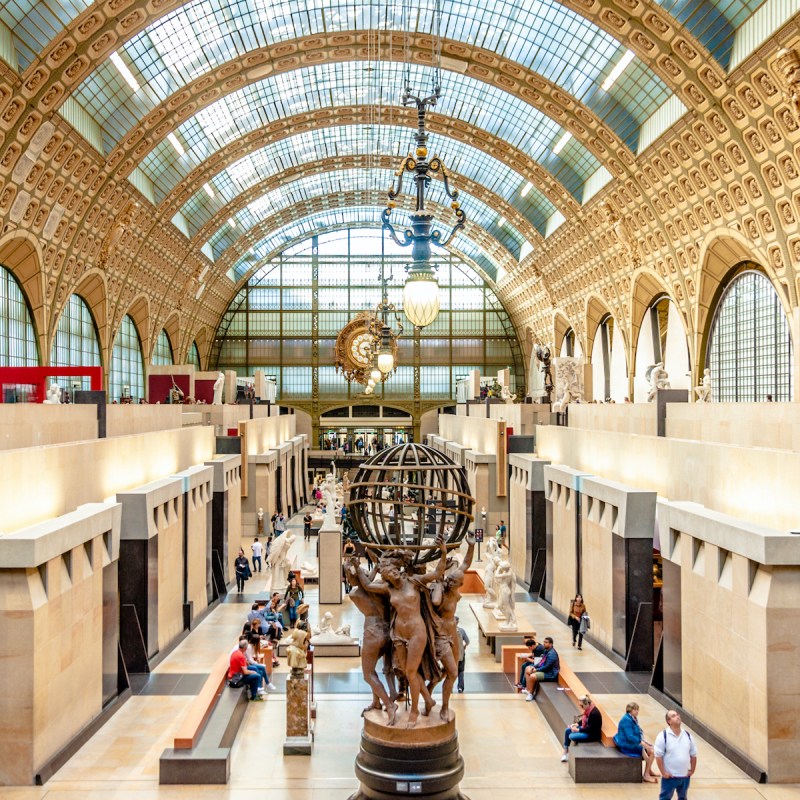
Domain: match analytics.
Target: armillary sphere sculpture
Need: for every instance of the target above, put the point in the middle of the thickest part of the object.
(410, 506)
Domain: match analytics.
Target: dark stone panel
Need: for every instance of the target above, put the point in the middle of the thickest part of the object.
(110, 630)
(279, 489)
(219, 539)
(133, 591)
(671, 643)
(537, 508)
(228, 445)
(548, 584)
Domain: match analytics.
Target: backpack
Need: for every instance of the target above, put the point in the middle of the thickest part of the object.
(665, 739)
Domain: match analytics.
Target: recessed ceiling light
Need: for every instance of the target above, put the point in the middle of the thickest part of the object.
(173, 140)
(125, 72)
(617, 71)
(561, 143)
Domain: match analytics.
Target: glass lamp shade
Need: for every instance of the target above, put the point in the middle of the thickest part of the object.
(376, 374)
(368, 390)
(421, 298)
(371, 383)
(385, 362)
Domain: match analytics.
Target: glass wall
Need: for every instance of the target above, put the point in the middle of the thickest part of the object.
(162, 354)
(76, 343)
(750, 346)
(126, 379)
(194, 356)
(17, 337)
(275, 319)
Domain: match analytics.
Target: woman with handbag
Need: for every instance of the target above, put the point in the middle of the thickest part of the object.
(292, 600)
(577, 608)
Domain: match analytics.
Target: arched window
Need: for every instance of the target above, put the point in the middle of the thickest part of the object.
(750, 347)
(76, 343)
(194, 356)
(568, 344)
(126, 363)
(17, 337)
(162, 354)
(609, 365)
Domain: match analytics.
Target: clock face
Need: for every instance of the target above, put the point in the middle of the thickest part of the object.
(361, 348)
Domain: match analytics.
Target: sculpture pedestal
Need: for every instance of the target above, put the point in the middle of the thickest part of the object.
(397, 761)
(299, 739)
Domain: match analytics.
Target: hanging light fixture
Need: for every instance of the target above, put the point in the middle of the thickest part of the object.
(376, 375)
(421, 292)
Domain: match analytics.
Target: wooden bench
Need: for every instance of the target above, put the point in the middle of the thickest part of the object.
(201, 747)
(589, 762)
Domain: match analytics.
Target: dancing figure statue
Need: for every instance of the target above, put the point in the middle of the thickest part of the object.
(412, 630)
(492, 560)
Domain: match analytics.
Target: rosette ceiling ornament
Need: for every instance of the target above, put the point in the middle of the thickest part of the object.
(421, 292)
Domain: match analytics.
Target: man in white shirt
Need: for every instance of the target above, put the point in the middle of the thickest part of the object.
(676, 756)
(257, 549)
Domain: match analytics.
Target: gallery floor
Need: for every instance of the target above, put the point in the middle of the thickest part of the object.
(509, 751)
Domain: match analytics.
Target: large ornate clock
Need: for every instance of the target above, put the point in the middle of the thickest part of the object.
(356, 345)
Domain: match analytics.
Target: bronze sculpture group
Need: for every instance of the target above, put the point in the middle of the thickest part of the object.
(409, 621)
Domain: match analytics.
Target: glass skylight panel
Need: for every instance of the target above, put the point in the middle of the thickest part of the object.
(343, 181)
(35, 23)
(713, 23)
(264, 102)
(324, 143)
(543, 36)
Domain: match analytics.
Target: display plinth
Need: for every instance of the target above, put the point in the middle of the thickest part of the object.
(397, 761)
(299, 738)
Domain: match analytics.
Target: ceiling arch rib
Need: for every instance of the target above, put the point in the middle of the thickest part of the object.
(547, 37)
(476, 63)
(307, 89)
(359, 180)
(251, 143)
(346, 144)
(477, 244)
(286, 176)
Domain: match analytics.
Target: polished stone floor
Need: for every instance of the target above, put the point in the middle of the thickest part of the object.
(509, 751)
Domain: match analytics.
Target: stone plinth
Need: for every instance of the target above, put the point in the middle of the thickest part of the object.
(299, 740)
(396, 761)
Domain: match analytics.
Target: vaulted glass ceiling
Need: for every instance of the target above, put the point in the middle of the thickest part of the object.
(345, 84)
(353, 216)
(355, 180)
(348, 140)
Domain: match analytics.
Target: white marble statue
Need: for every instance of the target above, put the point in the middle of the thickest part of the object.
(279, 559)
(659, 379)
(568, 382)
(327, 634)
(703, 391)
(53, 395)
(490, 600)
(506, 396)
(505, 583)
(309, 569)
(219, 385)
(329, 496)
(260, 517)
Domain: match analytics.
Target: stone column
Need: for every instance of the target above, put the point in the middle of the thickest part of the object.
(330, 565)
(225, 513)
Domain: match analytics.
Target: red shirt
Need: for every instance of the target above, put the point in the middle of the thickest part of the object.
(238, 663)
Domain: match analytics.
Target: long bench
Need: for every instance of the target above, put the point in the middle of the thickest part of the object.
(589, 762)
(201, 747)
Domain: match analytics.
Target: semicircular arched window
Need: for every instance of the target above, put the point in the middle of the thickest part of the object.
(750, 346)
(76, 343)
(127, 370)
(17, 336)
(194, 356)
(162, 354)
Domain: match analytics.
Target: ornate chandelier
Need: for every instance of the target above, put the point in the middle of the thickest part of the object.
(421, 292)
(366, 348)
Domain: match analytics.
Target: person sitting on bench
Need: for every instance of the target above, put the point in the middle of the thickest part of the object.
(630, 740)
(531, 660)
(588, 729)
(546, 671)
(238, 666)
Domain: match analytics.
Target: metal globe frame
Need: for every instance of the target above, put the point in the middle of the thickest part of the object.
(438, 502)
